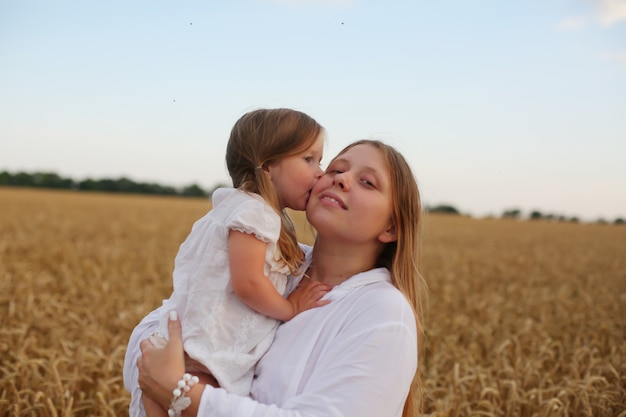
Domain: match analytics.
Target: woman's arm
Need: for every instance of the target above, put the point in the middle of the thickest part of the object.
(148, 325)
(366, 371)
(160, 369)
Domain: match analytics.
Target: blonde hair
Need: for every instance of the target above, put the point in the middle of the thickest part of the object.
(258, 139)
(402, 256)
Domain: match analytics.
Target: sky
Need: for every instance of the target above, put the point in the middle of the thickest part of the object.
(497, 105)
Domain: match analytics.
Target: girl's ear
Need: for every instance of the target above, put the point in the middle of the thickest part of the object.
(389, 235)
(265, 166)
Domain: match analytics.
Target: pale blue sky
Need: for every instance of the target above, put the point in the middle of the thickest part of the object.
(496, 104)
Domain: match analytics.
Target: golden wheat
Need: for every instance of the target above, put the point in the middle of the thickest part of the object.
(525, 319)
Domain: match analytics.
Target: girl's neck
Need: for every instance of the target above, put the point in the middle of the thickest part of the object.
(335, 263)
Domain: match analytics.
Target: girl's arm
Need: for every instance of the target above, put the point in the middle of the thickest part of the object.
(247, 261)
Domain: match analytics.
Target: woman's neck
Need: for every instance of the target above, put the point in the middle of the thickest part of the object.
(335, 263)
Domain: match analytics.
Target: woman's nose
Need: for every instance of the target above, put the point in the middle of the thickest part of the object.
(341, 181)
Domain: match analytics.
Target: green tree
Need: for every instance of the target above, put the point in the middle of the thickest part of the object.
(443, 208)
(511, 214)
(51, 180)
(193, 190)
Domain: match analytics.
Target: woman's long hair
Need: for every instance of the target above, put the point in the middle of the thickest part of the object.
(402, 256)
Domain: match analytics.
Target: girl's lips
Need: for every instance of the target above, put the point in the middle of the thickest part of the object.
(332, 199)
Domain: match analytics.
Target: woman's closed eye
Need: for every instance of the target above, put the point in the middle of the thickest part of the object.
(335, 169)
(368, 183)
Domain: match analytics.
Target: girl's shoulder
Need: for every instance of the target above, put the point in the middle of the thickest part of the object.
(246, 212)
(233, 199)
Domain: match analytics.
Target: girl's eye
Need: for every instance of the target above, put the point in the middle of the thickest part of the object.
(311, 160)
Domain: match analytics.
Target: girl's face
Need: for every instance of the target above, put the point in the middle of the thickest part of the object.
(294, 176)
(353, 200)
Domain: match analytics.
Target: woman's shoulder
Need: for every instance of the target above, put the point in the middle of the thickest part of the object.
(386, 294)
(380, 301)
(377, 310)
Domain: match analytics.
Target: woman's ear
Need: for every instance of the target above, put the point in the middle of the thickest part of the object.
(389, 235)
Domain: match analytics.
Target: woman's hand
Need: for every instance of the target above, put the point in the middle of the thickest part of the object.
(160, 367)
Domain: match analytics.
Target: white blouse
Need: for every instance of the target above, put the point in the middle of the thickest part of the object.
(355, 357)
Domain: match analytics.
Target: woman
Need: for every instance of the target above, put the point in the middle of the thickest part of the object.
(356, 356)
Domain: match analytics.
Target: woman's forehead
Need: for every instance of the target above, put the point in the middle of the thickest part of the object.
(363, 154)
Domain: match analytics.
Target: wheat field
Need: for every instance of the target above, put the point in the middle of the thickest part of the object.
(524, 318)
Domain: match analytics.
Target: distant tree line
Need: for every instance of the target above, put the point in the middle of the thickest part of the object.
(126, 185)
(443, 209)
(119, 185)
(534, 215)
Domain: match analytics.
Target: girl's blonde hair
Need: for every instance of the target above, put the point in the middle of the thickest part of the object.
(402, 256)
(258, 139)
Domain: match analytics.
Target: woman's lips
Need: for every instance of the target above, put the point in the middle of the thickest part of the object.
(332, 199)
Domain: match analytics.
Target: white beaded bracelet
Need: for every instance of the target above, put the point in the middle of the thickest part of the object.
(180, 401)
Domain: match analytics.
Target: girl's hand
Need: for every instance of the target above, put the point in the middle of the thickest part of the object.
(308, 294)
(160, 368)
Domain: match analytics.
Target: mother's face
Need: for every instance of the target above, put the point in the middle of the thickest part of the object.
(353, 199)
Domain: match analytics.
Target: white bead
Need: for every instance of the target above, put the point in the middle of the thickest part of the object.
(180, 401)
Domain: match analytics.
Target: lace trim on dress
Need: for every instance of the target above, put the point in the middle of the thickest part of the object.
(250, 232)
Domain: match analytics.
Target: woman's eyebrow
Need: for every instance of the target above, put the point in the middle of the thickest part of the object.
(339, 159)
(368, 169)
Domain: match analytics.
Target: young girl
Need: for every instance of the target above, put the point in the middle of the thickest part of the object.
(356, 356)
(231, 271)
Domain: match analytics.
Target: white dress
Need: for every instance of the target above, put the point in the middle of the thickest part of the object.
(219, 330)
